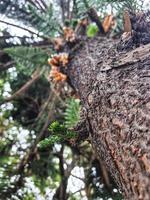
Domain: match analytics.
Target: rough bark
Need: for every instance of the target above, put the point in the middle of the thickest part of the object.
(115, 93)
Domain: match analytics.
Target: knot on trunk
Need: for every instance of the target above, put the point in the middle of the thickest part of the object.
(139, 33)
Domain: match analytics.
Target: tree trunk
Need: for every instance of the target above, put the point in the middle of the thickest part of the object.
(115, 96)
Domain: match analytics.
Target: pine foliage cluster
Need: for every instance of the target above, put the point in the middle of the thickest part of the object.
(72, 113)
(27, 58)
(63, 132)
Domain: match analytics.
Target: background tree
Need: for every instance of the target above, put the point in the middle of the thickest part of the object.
(32, 166)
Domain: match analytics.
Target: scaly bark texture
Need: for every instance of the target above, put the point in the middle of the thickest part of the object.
(115, 94)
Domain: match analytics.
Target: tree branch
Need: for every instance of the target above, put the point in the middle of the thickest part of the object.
(23, 28)
(31, 153)
(81, 179)
(40, 6)
(34, 4)
(94, 17)
(35, 76)
(6, 66)
(44, 4)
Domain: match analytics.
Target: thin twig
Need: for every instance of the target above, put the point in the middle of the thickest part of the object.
(35, 76)
(78, 191)
(30, 154)
(34, 4)
(44, 4)
(68, 9)
(44, 107)
(6, 66)
(25, 29)
(14, 36)
(41, 7)
(44, 44)
(57, 94)
(82, 179)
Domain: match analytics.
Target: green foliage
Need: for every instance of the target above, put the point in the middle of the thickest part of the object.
(82, 6)
(13, 9)
(1, 89)
(27, 58)
(49, 141)
(72, 112)
(92, 30)
(133, 5)
(29, 196)
(26, 110)
(55, 128)
(4, 144)
(103, 6)
(32, 15)
(44, 22)
(59, 134)
(61, 130)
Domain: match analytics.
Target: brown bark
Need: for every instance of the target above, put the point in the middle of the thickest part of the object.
(114, 91)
